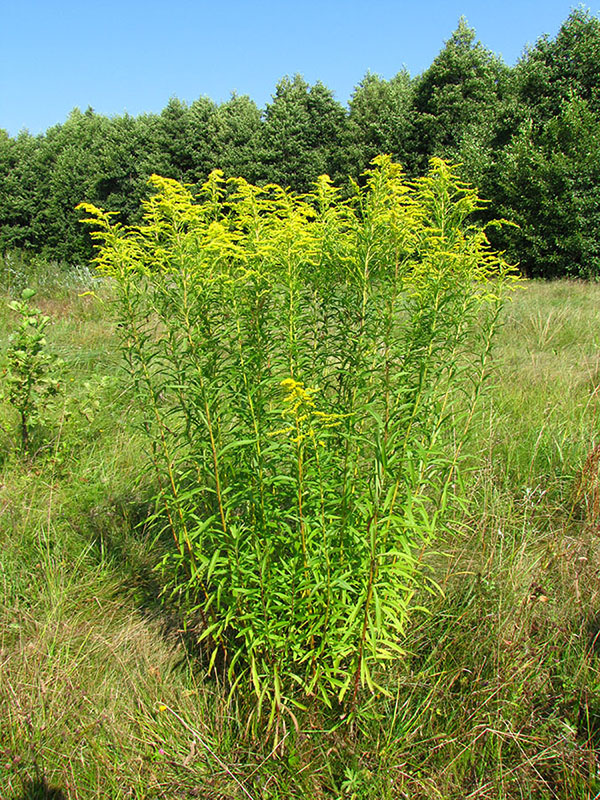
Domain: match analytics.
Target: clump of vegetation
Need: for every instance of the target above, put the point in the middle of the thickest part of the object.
(309, 368)
(31, 369)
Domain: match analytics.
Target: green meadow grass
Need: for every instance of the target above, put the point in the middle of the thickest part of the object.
(498, 694)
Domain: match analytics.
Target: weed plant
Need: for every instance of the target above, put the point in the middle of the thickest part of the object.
(303, 363)
(31, 373)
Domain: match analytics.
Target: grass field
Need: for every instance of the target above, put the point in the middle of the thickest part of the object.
(498, 695)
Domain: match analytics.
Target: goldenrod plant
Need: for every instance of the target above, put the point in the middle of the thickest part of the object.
(308, 366)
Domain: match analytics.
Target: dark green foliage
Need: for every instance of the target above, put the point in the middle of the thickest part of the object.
(381, 121)
(549, 184)
(45, 177)
(76, 151)
(234, 135)
(182, 140)
(128, 158)
(547, 178)
(23, 177)
(302, 134)
(554, 69)
(456, 99)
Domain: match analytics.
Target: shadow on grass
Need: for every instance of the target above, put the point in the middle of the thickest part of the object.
(127, 535)
(38, 789)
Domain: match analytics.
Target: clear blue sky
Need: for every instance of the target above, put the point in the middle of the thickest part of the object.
(131, 56)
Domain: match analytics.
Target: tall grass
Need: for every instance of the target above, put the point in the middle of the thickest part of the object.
(304, 363)
(20, 269)
(496, 696)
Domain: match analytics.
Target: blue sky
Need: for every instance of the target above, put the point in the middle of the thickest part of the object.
(131, 56)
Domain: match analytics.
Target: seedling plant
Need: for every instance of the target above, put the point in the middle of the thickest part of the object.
(31, 370)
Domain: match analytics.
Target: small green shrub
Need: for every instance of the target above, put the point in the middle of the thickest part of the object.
(308, 369)
(30, 374)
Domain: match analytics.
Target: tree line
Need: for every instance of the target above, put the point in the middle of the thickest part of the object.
(527, 136)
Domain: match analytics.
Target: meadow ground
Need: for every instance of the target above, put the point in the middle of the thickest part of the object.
(498, 695)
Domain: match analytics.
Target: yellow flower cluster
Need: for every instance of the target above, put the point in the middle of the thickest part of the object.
(302, 407)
